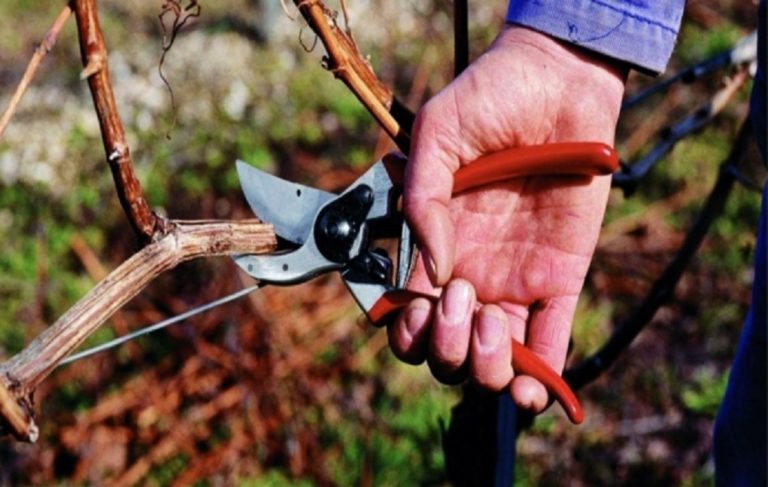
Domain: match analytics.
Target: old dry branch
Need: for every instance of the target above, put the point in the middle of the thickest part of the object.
(145, 223)
(16, 419)
(186, 241)
(171, 242)
(346, 63)
(43, 48)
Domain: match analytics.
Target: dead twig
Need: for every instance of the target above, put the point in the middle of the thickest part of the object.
(346, 63)
(168, 242)
(97, 272)
(347, 26)
(20, 424)
(179, 15)
(145, 223)
(24, 372)
(49, 40)
(172, 243)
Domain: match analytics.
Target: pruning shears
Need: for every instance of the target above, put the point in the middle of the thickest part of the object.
(322, 232)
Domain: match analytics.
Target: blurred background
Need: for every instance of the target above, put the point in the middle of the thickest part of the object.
(286, 387)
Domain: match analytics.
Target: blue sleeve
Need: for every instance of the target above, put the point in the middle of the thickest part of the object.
(639, 32)
(759, 105)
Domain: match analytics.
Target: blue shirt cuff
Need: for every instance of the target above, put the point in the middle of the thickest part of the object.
(641, 33)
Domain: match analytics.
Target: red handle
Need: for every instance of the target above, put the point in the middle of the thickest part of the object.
(524, 361)
(559, 159)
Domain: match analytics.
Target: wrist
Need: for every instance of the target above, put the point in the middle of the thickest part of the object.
(604, 68)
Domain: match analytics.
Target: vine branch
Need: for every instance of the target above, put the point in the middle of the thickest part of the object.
(144, 222)
(167, 242)
(179, 17)
(346, 63)
(185, 241)
(45, 46)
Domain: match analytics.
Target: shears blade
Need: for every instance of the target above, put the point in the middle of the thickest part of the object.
(289, 207)
(293, 267)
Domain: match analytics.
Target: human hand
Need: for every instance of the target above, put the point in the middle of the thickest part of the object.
(509, 259)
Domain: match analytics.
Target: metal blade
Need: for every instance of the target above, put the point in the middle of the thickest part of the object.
(293, 267)
(289, 207)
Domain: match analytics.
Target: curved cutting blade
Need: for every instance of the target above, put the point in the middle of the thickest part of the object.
(293, 267)
(289, 207)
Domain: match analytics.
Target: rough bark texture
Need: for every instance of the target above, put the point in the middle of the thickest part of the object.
(346, 63)
(24, 372)
(168, 242)
(34, 64)
(96, 70)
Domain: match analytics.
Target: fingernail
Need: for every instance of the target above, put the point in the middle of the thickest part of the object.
(490, 329)
(415, 318)
(429, 265)
(456, 302)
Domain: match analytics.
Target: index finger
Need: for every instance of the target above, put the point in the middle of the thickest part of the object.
(429, 183)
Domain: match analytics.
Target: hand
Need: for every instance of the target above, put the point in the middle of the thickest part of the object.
(509, 259)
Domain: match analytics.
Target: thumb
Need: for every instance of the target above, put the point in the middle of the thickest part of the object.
(429, 183)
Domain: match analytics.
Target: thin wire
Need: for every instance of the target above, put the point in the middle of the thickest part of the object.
(157, 326)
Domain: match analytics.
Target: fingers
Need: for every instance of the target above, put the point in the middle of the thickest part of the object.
(451, 331)
(438, 332)
(459, 338)
(548, 334)
(550, 329)
(529, 394)
(409, 333)
(491, 354)
(429, 182)
(456, 337)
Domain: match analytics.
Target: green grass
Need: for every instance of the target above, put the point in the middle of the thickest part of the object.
(704, 394)
(402, 446)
